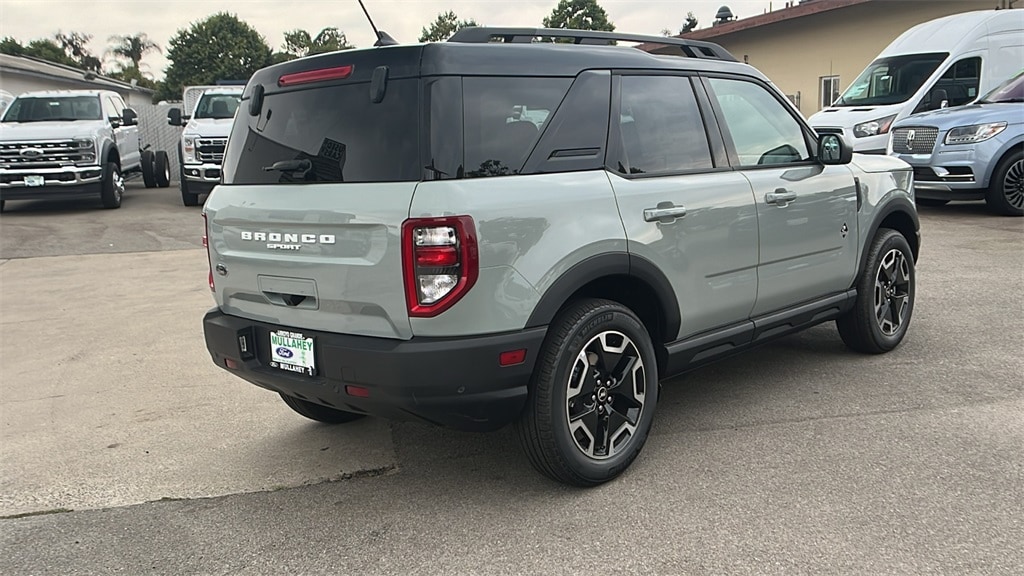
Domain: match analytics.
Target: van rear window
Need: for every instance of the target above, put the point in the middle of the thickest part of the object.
(327, 134)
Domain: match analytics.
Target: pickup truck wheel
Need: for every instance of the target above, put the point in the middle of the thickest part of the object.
(592, 396)
(187, 198)
(319, 412)
(148, 178)
(1006, 191)
(885, 297)
(112, 187)
(162, 169)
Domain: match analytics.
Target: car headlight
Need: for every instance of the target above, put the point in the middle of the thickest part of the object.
(873, 127)
(188, 150)
(86, 148)
(975, 133)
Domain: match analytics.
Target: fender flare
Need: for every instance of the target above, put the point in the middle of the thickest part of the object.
(600, 266)
(896, 205)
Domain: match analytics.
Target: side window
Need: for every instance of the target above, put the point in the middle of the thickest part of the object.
(961, 81)
(661, 126)
(763, 131)
(110, 109)
(503, 118)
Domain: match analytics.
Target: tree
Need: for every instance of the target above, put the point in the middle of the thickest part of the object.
(43, 49)
(299, 43)
(690, 24)
(74, 46)
(579, 15)
(221, 47)
(444, 26)
(133, 47)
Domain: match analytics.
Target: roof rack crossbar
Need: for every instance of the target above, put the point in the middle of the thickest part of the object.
(689, 48)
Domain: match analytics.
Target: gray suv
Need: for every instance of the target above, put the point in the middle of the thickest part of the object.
(497, 230)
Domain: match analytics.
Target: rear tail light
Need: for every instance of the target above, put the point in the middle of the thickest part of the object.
(320, 75)
(206, 244)
(440, 262)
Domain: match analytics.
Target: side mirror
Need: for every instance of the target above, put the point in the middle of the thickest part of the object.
(129, 117)
(174, 116)
(832, 149)
(939, 99)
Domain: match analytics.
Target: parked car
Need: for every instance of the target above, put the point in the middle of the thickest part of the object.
(946, 61)
(205, 134)
(491, 230)
(969, 152)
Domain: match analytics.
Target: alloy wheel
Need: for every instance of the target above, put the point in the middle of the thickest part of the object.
(892, 291)
(605, 395)
(1013, 185)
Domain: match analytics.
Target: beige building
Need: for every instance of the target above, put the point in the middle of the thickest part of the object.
(812, 50)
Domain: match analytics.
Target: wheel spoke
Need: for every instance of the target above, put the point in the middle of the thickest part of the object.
(623, 371)
(898, 305)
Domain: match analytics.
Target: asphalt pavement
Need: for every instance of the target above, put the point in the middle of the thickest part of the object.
(124, 451)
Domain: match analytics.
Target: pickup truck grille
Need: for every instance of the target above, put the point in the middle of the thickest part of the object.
(922, 142)
(211, 150)
(44, 154)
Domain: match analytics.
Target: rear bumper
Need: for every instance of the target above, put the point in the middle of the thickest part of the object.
(453, 382)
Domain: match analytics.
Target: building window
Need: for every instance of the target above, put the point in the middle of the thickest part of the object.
(828, 90)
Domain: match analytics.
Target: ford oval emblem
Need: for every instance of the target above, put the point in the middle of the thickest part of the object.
(31, 152)
(284, 352)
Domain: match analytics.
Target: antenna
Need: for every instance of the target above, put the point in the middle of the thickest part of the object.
(382, 37)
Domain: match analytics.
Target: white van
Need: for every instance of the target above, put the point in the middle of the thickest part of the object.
(946, 61)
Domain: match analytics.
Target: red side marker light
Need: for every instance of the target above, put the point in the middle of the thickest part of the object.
(357, 391)
(320, 75)
(512, 357)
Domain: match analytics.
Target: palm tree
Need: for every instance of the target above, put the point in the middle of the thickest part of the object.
(133, 48)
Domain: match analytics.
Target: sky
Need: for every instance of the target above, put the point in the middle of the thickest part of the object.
(27, 20)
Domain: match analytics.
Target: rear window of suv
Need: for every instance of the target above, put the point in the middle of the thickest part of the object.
(330, 134)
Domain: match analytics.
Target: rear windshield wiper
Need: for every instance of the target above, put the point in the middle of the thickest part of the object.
(289, 166)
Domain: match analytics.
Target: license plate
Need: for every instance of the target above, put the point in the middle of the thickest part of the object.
(293, 352)
(34, 181)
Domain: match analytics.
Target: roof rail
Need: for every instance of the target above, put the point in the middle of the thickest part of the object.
(689, 48)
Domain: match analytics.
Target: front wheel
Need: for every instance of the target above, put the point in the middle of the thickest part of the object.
(885, 297)
(1006, 191)
(319, 412)
(187, 198)
(592, 396)
(112, 187)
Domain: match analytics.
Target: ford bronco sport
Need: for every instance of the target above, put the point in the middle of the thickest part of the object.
(496, 230)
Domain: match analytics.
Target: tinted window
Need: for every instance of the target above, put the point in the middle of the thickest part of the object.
(661, 126)
(960, 82)
(762, 128)
(891, 80)
(328, 134)
(444, 104)
(503, 118)
(53, 109)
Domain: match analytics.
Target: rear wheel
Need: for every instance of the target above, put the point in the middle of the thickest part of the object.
(162, 169)
(930, 202)
(112, 187)
(592, 396)
(319, 412)
(148, 178)
(1006, 191)
(885, 297)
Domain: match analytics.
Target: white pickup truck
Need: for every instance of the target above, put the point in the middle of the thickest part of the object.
(65, 144)
(205, 135)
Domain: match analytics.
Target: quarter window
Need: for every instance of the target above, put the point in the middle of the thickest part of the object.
(661, 126)
(762, 129)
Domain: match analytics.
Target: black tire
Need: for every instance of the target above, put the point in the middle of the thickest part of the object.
(187, 198)
(581, 440)
(930, 202)
(162, 169)
(1006, 190)
(319, 412)
(148, 177)
(885, 296)
(112, 186)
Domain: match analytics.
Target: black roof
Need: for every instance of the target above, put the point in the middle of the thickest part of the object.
(473, 52)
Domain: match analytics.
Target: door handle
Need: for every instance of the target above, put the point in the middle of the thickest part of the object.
(666, 213)
(780, 197)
